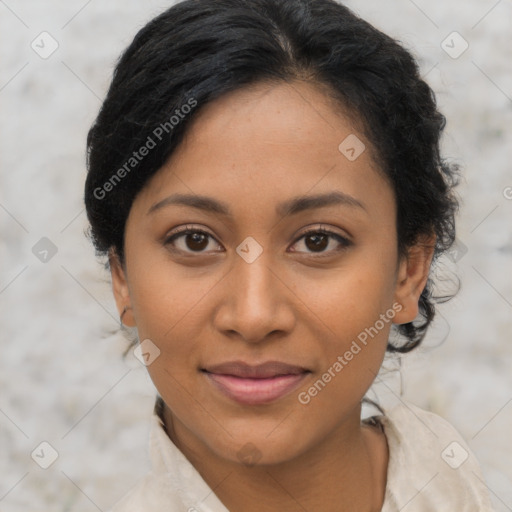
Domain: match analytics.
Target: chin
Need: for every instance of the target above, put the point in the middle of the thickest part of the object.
(259, 448)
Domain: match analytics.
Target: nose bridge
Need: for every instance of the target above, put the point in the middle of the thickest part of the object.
(256, 302)
(255, 285)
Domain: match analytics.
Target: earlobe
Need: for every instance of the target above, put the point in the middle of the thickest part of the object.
(121, 290)
(412, 278)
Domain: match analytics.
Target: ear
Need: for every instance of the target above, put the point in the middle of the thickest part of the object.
(412, 277)
(120, 289)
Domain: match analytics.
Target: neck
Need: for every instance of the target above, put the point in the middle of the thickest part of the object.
(346, 471)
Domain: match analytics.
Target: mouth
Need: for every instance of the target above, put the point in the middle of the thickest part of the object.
(258, 384)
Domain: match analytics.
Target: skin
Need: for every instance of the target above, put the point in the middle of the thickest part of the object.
(204, 304)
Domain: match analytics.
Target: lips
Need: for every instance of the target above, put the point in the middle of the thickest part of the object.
(259, 384)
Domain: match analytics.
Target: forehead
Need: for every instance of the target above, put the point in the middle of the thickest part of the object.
(284, 113)
(264, 143)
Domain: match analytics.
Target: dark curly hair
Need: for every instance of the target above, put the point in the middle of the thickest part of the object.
(199, 50)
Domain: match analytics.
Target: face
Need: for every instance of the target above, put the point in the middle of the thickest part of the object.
(271, 290)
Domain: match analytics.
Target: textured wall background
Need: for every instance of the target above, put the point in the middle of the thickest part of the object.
(63, 379)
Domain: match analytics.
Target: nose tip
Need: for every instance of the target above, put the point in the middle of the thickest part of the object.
(255, 304)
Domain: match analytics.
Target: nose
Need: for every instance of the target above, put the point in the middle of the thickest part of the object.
(255, 304)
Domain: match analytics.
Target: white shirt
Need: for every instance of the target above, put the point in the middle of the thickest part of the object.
(430, 469)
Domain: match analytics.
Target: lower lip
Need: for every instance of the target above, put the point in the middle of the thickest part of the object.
(255, 391)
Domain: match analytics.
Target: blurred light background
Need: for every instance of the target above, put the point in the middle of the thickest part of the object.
(63, 379)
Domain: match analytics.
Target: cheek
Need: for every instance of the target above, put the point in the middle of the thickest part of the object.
(166, 297)
(357, 309)
(353, 296)
(353, 309)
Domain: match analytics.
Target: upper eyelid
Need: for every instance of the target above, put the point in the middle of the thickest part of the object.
(305, 231)
(186, 229)
(311, 229)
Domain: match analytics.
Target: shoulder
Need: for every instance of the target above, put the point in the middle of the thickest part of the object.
(431, 467)
(146, 496)
(154, 493)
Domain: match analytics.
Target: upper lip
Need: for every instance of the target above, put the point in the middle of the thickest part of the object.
(260, 371)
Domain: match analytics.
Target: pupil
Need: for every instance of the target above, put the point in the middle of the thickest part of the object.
(199, 241)
(319, 241)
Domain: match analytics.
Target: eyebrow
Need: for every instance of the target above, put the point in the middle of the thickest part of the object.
(289, 207)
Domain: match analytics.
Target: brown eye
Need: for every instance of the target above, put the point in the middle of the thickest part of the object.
(189, 240)
(196, 241)
(316, 241)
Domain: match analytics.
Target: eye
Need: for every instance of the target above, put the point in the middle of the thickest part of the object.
(318, 240)
(192, 240)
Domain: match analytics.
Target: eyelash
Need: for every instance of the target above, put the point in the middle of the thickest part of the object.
(344, 242)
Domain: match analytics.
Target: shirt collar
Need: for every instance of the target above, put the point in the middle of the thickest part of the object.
(195, 494)
(182, 477)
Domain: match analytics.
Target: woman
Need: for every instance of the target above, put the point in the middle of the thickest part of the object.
(265, 177)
